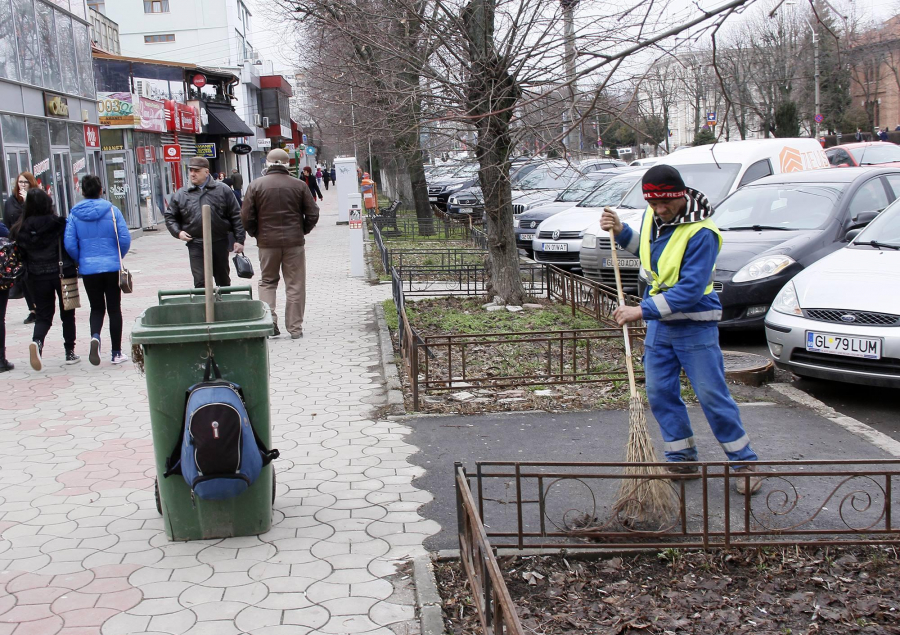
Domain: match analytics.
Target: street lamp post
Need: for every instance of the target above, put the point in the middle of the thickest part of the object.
(815, 41)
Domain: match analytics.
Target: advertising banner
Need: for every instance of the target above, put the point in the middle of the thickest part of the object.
(116, 110)
(152, 115)
(206, 150)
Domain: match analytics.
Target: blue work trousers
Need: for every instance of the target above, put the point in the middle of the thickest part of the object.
(695, 348)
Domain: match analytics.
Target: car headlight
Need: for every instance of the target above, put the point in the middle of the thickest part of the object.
(764, 267)
(515, 222)
(786, 301)
(589, 241)
(452, 200)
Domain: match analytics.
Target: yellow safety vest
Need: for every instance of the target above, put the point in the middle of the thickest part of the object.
(669, 263)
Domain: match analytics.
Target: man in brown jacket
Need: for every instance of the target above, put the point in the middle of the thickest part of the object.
(278, 210)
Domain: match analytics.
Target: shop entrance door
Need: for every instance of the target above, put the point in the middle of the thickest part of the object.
(117, 168)
(62, 182)
(17, 161)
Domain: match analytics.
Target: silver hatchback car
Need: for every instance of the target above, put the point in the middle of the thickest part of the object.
(839, 318)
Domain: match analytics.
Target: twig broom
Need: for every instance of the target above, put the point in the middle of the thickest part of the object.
(640, 500)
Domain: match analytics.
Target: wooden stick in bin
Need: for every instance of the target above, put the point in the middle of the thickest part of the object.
(206, 218)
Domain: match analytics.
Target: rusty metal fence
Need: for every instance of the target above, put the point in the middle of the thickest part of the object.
(573, 505)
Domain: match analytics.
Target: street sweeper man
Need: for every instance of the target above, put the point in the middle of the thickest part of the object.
(678, 244)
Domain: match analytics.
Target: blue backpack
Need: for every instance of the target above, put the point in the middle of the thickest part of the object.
(218, 452)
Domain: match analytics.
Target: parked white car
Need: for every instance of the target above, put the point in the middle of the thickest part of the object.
(839, 318)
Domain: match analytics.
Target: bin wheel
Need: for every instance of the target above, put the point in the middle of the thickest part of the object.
(156, 495)
(273, 485)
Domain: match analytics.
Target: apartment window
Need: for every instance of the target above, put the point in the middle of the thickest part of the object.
(156, 6)
(159, 39)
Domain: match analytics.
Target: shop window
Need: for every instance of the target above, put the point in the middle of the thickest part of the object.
(67, 53)
(39, 144)
(156, 6)
(14, 132)
(59, 134)
(159, 39)
(49, 51)
(8, 66)
(27, 39)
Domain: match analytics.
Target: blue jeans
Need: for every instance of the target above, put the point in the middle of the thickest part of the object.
(694, 347)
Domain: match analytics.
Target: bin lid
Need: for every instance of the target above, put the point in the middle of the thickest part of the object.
(171, 322)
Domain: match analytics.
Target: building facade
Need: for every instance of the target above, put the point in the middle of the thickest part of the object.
(48, 109)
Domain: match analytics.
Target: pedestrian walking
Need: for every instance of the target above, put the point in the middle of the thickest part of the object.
(678, 244)
(237, 184)
(5, 365)
(319, 176)
(97, 238)
(325, 177)
(333, 174)
(12, 212)
(307, 177)
(279, 211)
(39, 235)
(184, 221)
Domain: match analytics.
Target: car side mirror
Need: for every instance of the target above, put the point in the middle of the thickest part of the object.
(842, 165)
(852, 233)
(864, 218)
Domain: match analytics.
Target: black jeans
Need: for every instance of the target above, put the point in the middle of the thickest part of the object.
(45, 294)
(106, 298)
(221, 268)
(4, 299)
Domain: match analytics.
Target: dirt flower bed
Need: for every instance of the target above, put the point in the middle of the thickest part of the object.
(427, 253)
(458, 315)
(752, 591)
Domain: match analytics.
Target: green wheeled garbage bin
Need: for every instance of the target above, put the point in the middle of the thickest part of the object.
(174, 341)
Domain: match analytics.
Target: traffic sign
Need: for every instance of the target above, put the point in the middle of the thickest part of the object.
(819, 118)
(172, 153)
(711, 117)
(310, 150)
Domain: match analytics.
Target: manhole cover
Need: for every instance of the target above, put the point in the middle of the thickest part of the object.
(748, 368)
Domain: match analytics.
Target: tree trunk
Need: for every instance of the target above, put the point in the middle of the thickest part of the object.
(492, 95)
(416, 169)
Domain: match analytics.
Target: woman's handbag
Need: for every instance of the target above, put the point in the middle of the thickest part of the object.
(126, 284)
(71, 299)
(243, 266)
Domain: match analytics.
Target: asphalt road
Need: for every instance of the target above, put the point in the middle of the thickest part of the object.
(877, 407)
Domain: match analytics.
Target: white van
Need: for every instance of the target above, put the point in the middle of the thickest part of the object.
(717, 170)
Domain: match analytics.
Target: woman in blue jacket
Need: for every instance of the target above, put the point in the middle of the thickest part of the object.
(97, 238)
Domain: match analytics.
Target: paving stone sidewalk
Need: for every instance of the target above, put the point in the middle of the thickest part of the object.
(82, 548)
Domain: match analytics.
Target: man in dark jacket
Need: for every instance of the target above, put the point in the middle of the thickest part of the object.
(184, 221)
(279, 211)
(237, 184)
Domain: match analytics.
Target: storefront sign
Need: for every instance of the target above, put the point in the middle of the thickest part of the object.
(152, 115)
(241, 148)
(199, 80)
(145, 154)
(206, 150)
(78, 166)
(181, 118)
(263, 143)
(113, 148)
(56, 106)
(92, 136)
(116, 110)
(289, 147)
(40, 168)
(172, 153)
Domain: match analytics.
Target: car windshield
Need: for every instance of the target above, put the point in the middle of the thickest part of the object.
(547, 178)
(611, 192)
(714, 181)
(581, 188)
(522, 172)
(884, 230)
(466, 171)
(875, 154)
(787, 206)
(444, 170)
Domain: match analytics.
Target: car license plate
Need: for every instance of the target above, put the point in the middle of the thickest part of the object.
(555, 246)
(526, 236)
(866, 347)
(632, 263)
(432, 198)
(465, 210)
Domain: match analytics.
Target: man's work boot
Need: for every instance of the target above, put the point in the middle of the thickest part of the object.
(741, 480)
(687, 468)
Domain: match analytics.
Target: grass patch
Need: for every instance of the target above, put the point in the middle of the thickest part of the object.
(390, 315)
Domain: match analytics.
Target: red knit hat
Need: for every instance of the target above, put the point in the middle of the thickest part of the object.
(662, 182)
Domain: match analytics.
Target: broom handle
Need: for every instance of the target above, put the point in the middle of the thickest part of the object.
(629, 364)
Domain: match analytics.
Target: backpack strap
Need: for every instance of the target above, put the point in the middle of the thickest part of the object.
(212, 366)
(267, 455)
(173, 463)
